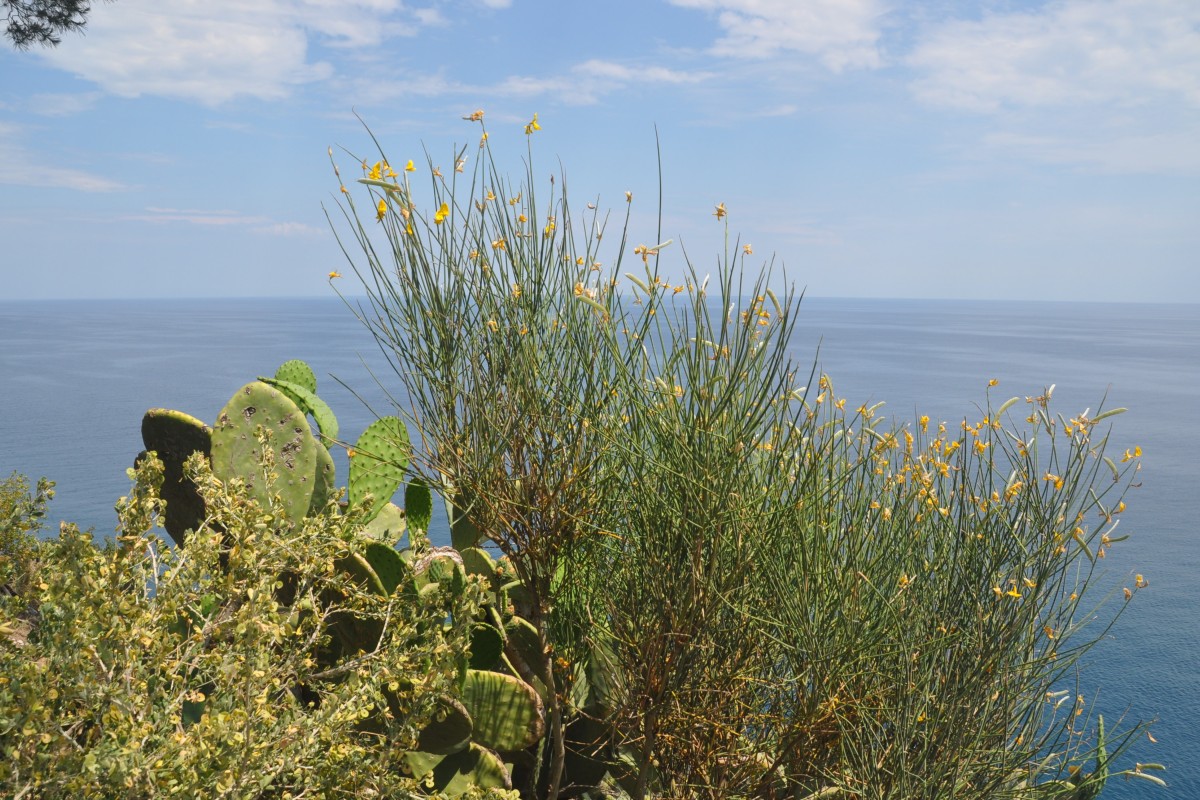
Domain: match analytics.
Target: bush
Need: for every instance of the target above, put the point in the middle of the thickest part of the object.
(206, 671)
(742, 585)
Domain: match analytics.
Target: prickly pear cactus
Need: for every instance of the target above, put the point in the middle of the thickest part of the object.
(297, 372)
(378, 463)
(175, 435)
(236, 452)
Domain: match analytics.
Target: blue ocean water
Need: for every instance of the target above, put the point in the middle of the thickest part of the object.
(76, 377)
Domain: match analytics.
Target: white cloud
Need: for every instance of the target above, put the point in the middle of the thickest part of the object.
(1175, 152)
(1067, 53)
(290, 229)
(21, 167)
(589, 80)
(215, 50)
(62, 105)
(196, 216)
(840, 34)
(222, 218)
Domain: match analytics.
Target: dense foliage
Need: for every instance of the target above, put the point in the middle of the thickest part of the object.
(681, 565)
(744, 585)
(204, 671)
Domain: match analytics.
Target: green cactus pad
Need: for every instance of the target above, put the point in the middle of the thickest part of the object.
(463, 532)
(525, 646)
(326, 476)
(309, 403)
(359, 567)
(478, 562)
(487, 644)
(297, 372)
(474, 767)
(174, 436)
(448, 732)
(388, 526)
(418, 505)
(378, 464)
(387, 565)
(443, 566)
(455, 774)
(506, 710)
(236, 452)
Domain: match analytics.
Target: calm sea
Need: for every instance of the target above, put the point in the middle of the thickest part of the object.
(76, 377)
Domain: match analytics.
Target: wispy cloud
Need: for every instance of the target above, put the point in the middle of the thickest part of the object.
(839, 34)
(19, 166)
(214, 50)
(1175, 152)
(290, 229)
(63, 105)
(221, 218)
(590, 80)
(1066, 53)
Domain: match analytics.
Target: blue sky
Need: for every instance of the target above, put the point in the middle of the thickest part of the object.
(942, 149)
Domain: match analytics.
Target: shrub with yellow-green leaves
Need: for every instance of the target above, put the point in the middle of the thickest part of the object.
(207, 671)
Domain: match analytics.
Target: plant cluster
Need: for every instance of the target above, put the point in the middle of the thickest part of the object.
(680, 564)
(740, 585)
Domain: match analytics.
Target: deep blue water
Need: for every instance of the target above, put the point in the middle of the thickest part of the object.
(76, 377)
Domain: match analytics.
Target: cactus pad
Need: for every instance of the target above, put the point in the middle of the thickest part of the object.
(309, 403)
(388, 525)
(175, 435)
(418, 505)
(387, 565)
(506, 710)
(448, 732)
(297, 372)
(236, 452)
(463, 532)
(379, 461)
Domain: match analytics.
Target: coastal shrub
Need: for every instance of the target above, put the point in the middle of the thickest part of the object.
(204, 671)
(741, 584)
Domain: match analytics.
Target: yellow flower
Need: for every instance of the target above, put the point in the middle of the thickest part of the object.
(629, 197)
(388, 172)
(1013, 592)
(334, 274)
(980, 446)
(441, 214)
(381, 211)
(516, 292)
(747, 249)
(720, 212)
(375, 173)
(993, 382)
(410, 167)
(458, 166)
(533, 125)
(476, 116)
(499, 244)
(491, 323)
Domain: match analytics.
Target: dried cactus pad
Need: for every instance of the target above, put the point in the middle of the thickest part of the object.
(175, 435)
(236, 452)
